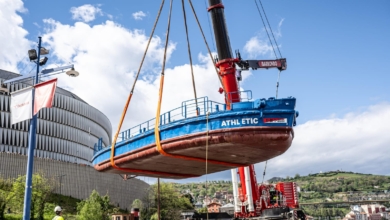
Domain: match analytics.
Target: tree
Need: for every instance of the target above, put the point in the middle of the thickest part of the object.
(42, 189)
(171, 203)
(191, 199)
(211, 191)
(202, 192)
(5, 187)
(202, 210)
(137, 204)
(95, 207)
(196, 194)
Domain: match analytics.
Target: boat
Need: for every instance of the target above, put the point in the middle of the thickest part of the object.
(204, 136)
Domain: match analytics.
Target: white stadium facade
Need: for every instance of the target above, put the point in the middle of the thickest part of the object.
(66, 134)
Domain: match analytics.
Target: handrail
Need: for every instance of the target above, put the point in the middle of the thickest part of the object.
(244, 96)
(185, 111)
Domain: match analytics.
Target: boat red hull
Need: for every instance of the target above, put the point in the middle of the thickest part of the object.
(237, 146)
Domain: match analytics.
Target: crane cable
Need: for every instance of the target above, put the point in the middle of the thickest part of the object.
(277, 46)
(266, 29)
(207, 45)
(190, 57)
(264, 171)
(265, 15)
(207, 150)
(157, 122)
(127, 105)
(211, 31)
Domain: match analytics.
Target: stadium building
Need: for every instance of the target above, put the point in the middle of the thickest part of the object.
(66, 134)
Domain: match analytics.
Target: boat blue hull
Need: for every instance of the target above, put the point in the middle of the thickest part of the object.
(248, 133)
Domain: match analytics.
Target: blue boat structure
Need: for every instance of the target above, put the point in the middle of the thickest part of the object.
(249, 132)
(203, 136)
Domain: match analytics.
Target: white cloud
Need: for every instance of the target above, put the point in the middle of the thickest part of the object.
(85, 13)
(257, 47)
(14, 44)
(278, 34)
(260, 44)
(108, 56)
(139, 15)
(357, 142)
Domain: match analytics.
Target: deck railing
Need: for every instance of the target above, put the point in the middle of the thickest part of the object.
(188, 109)
(242, 96)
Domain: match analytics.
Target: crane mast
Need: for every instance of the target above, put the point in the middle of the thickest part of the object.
(226, 63)
(251, 200)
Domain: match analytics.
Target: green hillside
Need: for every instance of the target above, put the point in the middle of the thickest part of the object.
(314, 187)
(322, 189)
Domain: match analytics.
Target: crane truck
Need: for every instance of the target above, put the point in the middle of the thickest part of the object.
(251, 200)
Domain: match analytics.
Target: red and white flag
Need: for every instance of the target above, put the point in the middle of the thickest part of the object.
(44, 95)
(21, 105)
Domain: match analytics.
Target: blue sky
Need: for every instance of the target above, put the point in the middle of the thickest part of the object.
(337, 53)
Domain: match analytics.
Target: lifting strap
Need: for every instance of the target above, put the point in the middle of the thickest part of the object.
(125, 111)
(157, 122)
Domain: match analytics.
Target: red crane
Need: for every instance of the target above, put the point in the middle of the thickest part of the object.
(251, 200)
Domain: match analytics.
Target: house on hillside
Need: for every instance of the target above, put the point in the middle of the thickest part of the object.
(218, 195)
(187, 214)
(212, 216)
(229, 198)
(228, 208)
(198, 205)
(213, 207)
(206, 201)
(367, 212)
(215, 200)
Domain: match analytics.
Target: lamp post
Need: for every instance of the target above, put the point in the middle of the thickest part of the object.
(35, 55)
(31, 146)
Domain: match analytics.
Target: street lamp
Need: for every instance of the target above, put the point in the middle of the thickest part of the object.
(46, 72)
(35, 57)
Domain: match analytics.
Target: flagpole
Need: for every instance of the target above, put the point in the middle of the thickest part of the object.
(31, 146)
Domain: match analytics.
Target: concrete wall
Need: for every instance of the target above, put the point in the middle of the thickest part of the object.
(78, 180)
